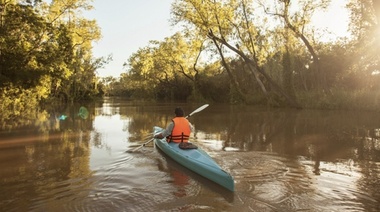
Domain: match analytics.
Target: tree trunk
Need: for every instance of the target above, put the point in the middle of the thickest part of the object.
(317, 66)
(232, 76)
(290, 100)
(253, 51)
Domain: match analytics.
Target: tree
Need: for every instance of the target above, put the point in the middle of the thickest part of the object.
(204, 16)
(297, 23)
(79, 82)
(45, 51)
(162, 67)
(221, 22)
(365, 28)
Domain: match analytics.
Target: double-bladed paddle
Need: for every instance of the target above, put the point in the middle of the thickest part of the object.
(192, 113)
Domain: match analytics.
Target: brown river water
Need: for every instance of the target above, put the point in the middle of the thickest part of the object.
(281, 160)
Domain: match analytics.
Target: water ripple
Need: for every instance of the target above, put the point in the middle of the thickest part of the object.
(282, 183)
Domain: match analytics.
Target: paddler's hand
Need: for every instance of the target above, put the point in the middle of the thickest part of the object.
(159, 135)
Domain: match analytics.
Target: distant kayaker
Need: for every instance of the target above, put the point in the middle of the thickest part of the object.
(178, 130)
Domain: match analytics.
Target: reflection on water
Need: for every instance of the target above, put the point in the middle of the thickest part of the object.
(281, 160)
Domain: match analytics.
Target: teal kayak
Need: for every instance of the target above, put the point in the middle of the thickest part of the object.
(196, 160)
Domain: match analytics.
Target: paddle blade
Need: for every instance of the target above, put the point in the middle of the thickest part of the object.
(198, 110)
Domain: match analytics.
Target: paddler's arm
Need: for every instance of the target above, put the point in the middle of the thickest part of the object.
(165, 132)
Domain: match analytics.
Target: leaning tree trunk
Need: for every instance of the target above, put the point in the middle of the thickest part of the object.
(317, 66)
(235, 83)
(289, 99)
(252, 69)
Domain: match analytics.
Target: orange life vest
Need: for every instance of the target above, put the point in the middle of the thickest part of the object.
(181, 130)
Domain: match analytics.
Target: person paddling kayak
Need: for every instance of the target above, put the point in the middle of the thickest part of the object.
(178, 130)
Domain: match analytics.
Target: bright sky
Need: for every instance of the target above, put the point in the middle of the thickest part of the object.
(128, 25)
(335, 20)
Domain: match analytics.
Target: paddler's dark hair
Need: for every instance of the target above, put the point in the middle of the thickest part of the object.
(179, 112)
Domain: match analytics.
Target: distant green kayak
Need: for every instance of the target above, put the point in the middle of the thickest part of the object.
(196, 160)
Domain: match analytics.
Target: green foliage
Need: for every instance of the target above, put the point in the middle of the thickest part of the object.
(259, 53)
(18, 102)
(215, 88)
(46, 51)
(21, 61)
(341, 99)
(281, 43)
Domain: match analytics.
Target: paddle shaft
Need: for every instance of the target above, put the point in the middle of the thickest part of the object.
(142, 145)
